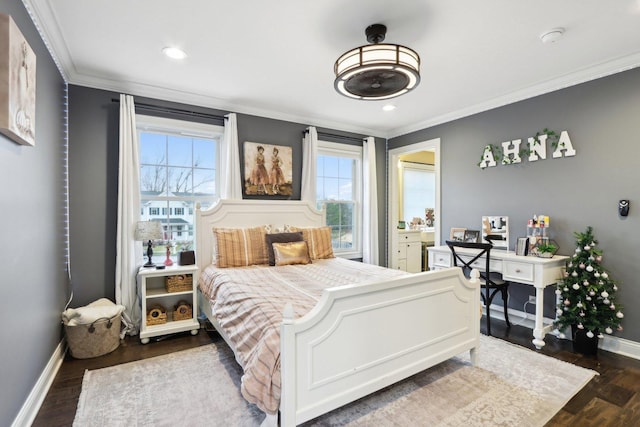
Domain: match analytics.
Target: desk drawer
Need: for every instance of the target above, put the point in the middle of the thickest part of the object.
(494, 265)
(518, 271)
(442, 260)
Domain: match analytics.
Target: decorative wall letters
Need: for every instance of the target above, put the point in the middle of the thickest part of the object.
(510, 152)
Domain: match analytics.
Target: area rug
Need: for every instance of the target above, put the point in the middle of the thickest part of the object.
(510, 386)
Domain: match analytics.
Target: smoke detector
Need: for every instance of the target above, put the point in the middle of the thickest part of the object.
(552, 36)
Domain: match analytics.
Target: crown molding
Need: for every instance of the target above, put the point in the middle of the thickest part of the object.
(571, 79)
(45, 21)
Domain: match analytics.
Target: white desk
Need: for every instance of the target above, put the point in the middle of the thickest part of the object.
(534, 271)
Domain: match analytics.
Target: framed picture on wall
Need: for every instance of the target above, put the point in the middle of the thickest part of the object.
(18, 81)
(457, 234)
(267, 170)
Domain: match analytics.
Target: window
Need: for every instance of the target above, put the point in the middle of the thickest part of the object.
(179, 165)
(339, 189)
(418, 190)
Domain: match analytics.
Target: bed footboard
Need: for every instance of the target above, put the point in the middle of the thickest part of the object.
(361, 338)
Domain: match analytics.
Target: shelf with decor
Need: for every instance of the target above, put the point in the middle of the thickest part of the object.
(538, 241)
(169, 301)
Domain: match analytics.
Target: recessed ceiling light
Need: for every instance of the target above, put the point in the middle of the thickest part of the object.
(552, 36)
(174, 52)
(389, 107)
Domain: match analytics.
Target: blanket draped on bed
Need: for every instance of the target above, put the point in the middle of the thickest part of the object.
(248, 302)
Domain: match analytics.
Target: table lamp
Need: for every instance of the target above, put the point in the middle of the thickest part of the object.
(148, 230)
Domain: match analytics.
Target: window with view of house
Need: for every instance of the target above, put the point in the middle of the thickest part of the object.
(179, 166)
(339, 189)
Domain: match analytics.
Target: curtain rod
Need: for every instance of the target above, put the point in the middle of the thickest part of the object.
(343, 137)
(158, 109)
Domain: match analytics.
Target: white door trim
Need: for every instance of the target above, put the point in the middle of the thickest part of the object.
(393, 157)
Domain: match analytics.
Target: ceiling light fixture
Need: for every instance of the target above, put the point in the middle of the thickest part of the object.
(377, 71)
(552, 36)
(174, 53)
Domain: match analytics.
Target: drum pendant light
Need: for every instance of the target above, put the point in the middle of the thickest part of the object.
(378, 70)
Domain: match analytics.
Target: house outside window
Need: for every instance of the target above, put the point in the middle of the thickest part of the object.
(339, 189)
(179, 166)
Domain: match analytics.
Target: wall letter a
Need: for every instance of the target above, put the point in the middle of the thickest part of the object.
(487, 158)
(564, 144)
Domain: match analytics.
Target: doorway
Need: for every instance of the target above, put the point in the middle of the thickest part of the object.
(394, 196)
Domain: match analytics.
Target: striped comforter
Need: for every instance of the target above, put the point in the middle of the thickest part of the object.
(248, 303)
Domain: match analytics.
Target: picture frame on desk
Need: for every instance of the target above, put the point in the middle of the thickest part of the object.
(457, 234)
(471, 236)
(522, 246)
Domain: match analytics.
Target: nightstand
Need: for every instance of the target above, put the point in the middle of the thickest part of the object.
(167, 295)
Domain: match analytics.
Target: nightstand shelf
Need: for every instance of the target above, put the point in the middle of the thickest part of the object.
(153, 292)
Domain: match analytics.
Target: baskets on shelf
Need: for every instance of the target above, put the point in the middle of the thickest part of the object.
(182, 311)
(179, 283)
(156, 315)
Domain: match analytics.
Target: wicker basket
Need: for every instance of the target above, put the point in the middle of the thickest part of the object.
(182, 311)
(94, 339)
(179, 283)
(156, 315)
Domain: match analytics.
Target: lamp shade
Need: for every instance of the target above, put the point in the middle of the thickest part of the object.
(148, 230)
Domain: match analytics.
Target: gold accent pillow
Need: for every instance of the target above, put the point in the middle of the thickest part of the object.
(239, 247)
(291, 253)
(280, 238)
(318, 239)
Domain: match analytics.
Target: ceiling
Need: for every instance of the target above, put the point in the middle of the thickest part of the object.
(274, 58)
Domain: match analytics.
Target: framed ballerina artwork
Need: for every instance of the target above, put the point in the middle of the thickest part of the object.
(267, 170)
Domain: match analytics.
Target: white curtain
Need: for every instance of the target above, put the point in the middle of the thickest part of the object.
(231, 184)
(370, 203)
(128, 251)
(309, 165)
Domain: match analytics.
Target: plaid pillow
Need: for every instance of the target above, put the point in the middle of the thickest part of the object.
(239, 247)
(318, 239)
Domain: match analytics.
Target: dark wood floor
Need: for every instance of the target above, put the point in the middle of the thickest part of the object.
(610, 399)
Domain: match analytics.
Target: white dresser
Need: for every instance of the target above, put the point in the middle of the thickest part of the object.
(407, 251)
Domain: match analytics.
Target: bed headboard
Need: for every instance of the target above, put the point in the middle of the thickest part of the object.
(249, 213)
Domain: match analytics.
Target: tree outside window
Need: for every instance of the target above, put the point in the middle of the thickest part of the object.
(179, 166)
(338, 188)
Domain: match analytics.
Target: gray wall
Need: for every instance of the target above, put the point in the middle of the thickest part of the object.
(602, 118)
(32, 254)
(93, 167)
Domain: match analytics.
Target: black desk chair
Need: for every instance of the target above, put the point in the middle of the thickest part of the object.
(491, 282)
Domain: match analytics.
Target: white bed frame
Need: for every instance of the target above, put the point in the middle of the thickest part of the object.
(358, 338)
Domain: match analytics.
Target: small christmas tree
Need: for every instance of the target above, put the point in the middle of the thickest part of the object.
(587, 293)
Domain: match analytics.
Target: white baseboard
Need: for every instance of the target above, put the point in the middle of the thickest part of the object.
(31, 406)
(620, 346)
(610, 343)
